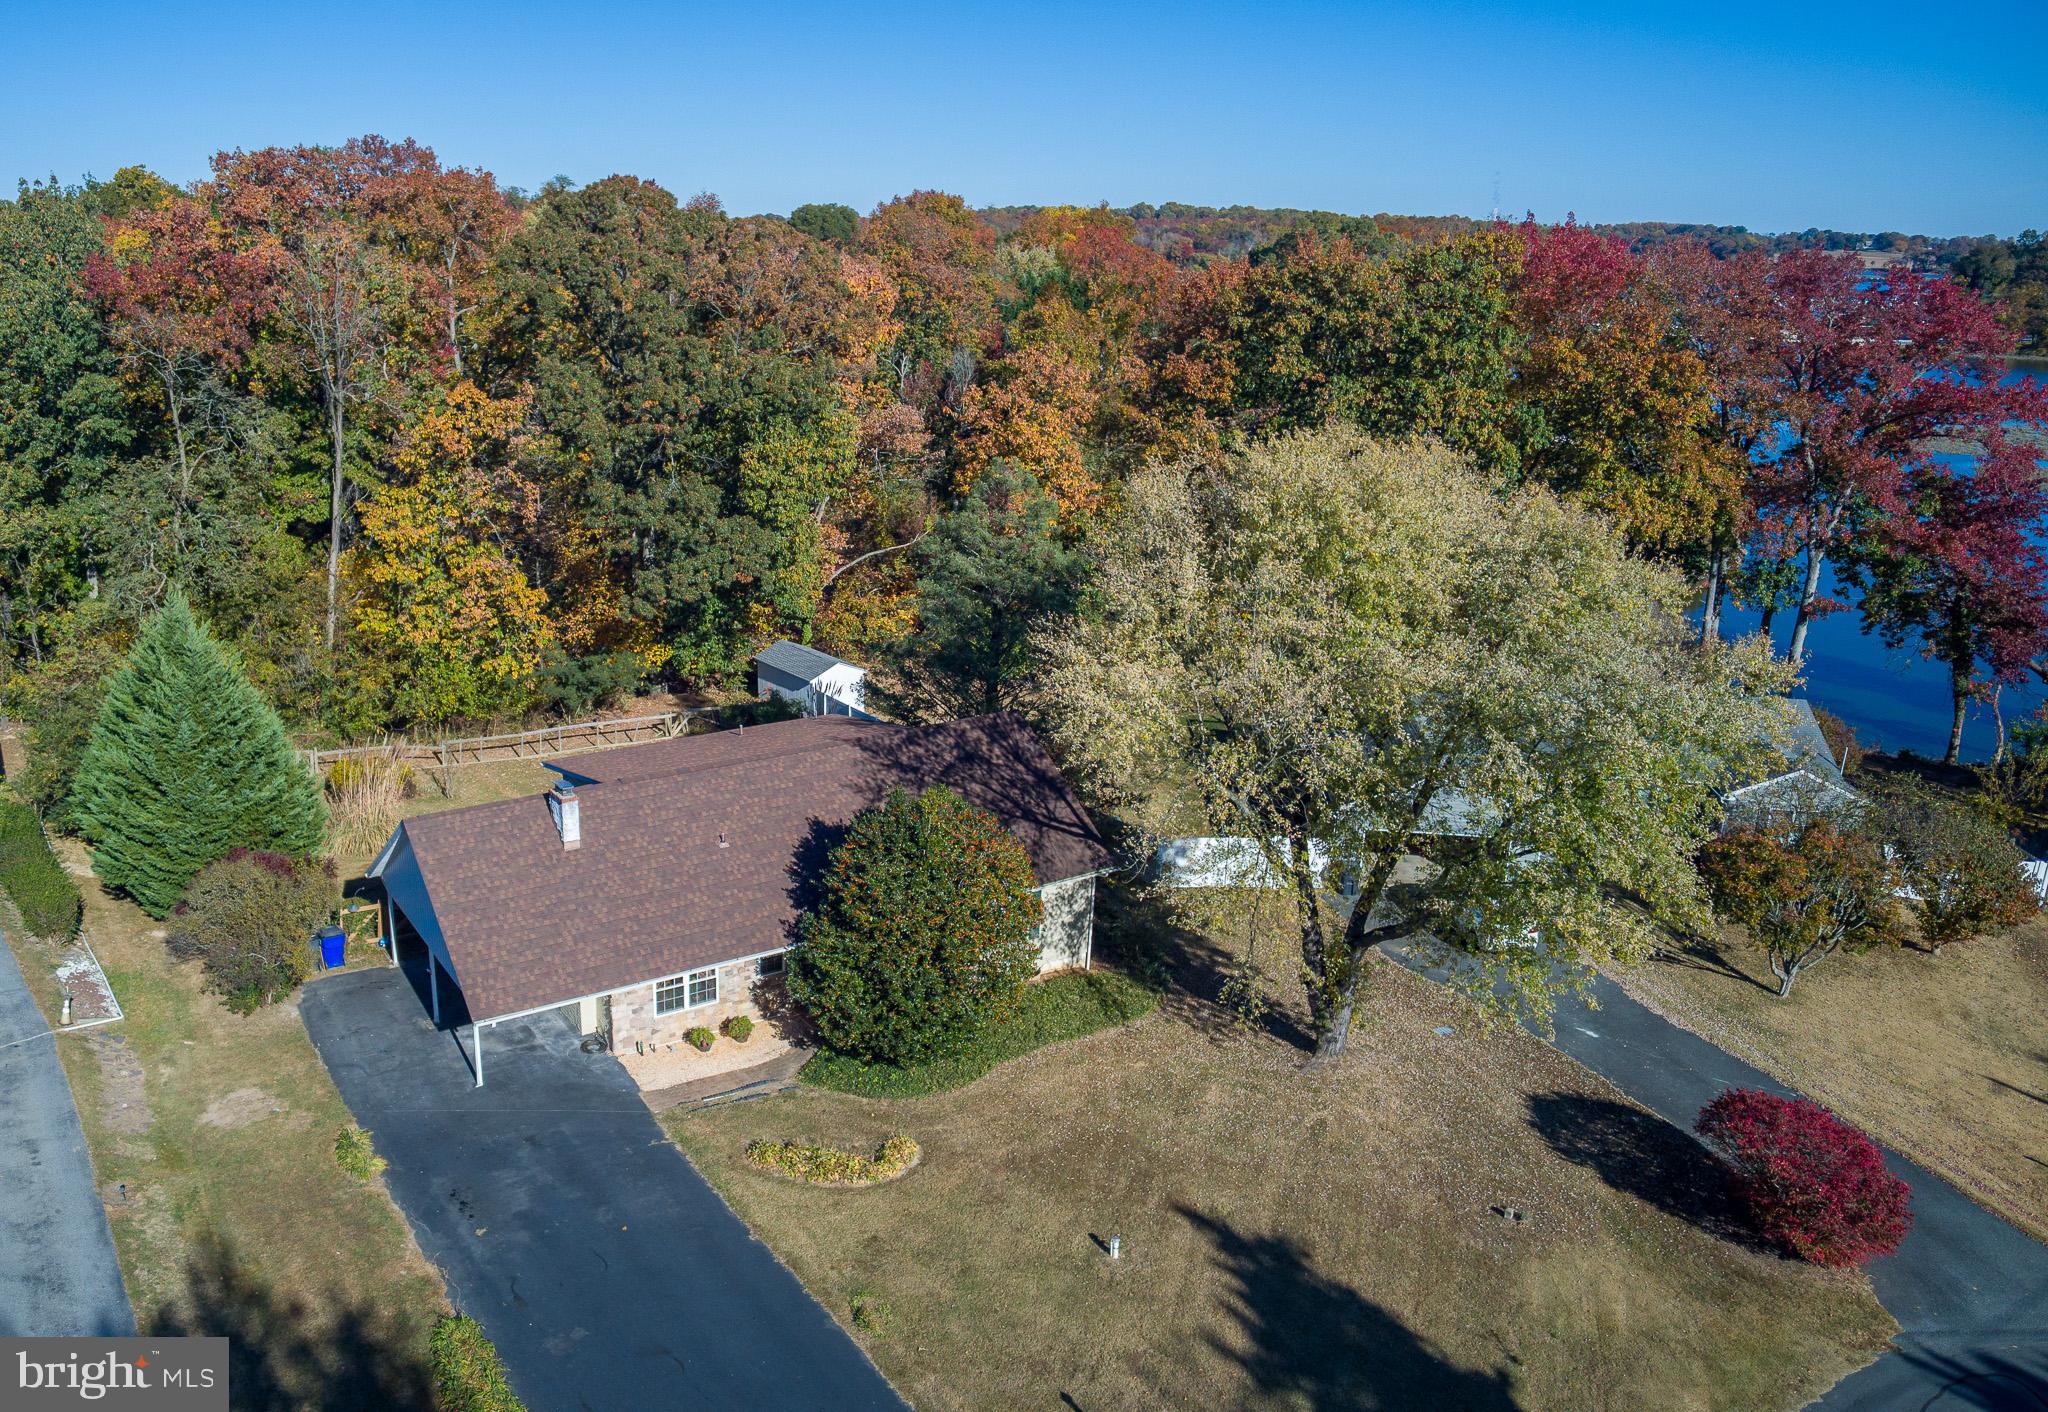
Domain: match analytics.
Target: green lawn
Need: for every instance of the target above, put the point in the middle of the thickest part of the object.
(1290, 1240)
(1062, 1007)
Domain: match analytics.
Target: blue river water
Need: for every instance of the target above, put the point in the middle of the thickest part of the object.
(1893, 700)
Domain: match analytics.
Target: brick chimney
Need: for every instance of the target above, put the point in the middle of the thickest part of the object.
(568, 812)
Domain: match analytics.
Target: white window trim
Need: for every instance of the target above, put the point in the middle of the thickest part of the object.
(690, 982)
(686, 977)
(655, 988)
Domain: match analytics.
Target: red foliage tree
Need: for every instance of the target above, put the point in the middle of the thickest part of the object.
(1959, 570)
(1843, 376)
(1815, 1184)
(182, 304)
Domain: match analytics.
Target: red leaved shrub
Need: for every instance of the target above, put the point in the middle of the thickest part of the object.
(1815, 1184)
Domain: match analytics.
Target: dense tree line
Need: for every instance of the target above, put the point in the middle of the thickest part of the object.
(423, 450)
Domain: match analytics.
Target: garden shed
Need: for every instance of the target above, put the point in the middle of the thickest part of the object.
(822, 684)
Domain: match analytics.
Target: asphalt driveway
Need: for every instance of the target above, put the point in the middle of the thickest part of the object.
(608, 1273)
(1970, 1292)
(58, 1275)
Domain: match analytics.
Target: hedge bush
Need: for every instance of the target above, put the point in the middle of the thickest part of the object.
(922, 938)
(357, 1157)
(830, 1166)
(250, 919)
(739, 1028)
(467, 1374)
(43, 892)
(700, 1036)
(1061, 1007)
(1815, 1184)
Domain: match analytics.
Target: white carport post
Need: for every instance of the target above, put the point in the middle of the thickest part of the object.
(476, 1039)
(434, 984)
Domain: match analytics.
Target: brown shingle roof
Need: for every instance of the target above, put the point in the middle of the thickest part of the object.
(706, 848)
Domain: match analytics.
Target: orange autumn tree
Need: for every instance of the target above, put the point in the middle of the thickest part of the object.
(1033, 413)
(440, 604)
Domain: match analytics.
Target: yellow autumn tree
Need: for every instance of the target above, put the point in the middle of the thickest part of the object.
(440, 606)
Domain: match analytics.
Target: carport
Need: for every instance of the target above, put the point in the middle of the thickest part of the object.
(414, 940)
(412, 936)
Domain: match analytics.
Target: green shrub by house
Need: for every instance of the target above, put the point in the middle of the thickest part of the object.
(739, 1028)
(186, 762)
(831, 1166)
(468, 1377)
(924, 934)
(30, 874)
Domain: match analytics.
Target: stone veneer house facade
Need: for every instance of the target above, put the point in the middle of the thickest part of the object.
(656, 887)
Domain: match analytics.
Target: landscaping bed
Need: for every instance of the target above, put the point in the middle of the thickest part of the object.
(1289, 1240)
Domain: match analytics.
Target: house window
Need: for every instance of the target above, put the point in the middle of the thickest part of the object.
(685, 992)
(770, 965)
(703, 987)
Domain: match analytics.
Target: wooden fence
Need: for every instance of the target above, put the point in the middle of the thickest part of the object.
(541, 743)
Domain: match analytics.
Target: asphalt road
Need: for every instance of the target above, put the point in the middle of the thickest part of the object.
(1970, 1292)
(58, 1275)
(606, 1270)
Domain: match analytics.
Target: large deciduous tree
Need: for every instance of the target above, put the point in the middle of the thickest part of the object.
(1334, 646)
(1958, 568)
(1616, 409)
(64, 418)
(453, 628)
(342, 295)
(686, 367)
(1845, 378)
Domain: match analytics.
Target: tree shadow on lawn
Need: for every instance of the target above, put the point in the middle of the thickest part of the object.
(338, 1355)
(1642, 1155)
(1152, 942)
(1320, 1345)
(1699, 953)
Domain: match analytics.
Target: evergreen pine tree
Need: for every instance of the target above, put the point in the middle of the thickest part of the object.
(186, 762)
(994, 570)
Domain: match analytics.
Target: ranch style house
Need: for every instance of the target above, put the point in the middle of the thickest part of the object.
(656, 887)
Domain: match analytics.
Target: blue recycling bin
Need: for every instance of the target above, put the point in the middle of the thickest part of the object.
(333, 948)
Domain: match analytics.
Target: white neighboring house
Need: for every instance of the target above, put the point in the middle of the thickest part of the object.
(1804, 783)
(817, 681)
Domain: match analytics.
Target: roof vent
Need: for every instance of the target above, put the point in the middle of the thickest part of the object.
(568, 812)
(722, 841)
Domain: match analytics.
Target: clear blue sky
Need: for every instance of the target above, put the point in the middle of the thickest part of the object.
(1928, 118)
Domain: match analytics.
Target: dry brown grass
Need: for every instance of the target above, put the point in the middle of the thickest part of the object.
(212, 1136)
(362, 816)
(1292, 1240)
(1943, 1057)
